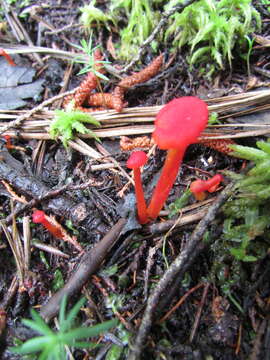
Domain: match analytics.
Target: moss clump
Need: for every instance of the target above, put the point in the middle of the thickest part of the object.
(211, 29)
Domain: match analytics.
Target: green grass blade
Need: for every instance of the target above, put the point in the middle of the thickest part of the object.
(82, 332)
(38, 324)
(33, 345)
(62, 313)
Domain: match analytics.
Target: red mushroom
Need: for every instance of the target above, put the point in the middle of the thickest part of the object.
(8, 141)
(198, 187)
(135, 161)
(177, 125)
(39, 217)
(7, 56)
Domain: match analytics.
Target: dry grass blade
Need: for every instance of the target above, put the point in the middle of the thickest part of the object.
(139, 120)
(17, 250)
(26, 241)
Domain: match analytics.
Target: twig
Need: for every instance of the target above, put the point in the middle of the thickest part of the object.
(256, 352)
(180, 302)
(89, 264)
(199, 312)
(159, 26)
(177, 268)
(160, 227)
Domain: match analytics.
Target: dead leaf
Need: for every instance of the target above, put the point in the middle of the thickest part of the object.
(16, 84)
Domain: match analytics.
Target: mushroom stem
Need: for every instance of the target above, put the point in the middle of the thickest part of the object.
(137, 159)
(165, 183)
(141, 204)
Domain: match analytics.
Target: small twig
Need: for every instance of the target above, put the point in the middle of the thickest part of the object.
(199, 313)
(50, 249)
(89, 264)
(10, 293)
(165, 226)
(258, 340)
(159, 26)
(180, 302)
(62, 29)
(177, 268)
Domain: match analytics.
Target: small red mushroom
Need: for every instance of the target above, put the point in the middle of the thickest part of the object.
(7, 56)
(135, 161)
(39, 217)
(199, 187)
(8, 141)
(178, 124)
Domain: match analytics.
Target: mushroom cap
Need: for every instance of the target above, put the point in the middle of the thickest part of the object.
(209, 185)
(180, 122)
(137, 159)
(38, 216)
(197, 186)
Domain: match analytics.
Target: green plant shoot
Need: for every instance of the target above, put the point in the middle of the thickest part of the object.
(247, 215)
(66, 122)
(87, 58)
(92, 14)
(50, 345)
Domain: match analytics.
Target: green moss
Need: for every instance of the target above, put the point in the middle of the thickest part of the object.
(211, 29)
(66, 123)
(247, 214)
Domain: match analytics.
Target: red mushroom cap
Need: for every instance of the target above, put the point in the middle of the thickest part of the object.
(214, 182)
(38, 216)
(197, 186)
(137, 159)
(180, 122)
(209, 185)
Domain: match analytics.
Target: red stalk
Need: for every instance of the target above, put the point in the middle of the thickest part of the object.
(165, 183)
(8, 57)
(141, 203)
(8, 141)
(137, 159)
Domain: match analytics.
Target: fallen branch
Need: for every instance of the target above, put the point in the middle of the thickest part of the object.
(89, 265)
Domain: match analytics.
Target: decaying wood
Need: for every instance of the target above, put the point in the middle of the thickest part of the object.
(221, 145)
(144, 75)
(104, 100)
(13, 172)
(129, 144)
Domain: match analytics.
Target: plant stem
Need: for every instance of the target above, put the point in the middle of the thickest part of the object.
(141, 204)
